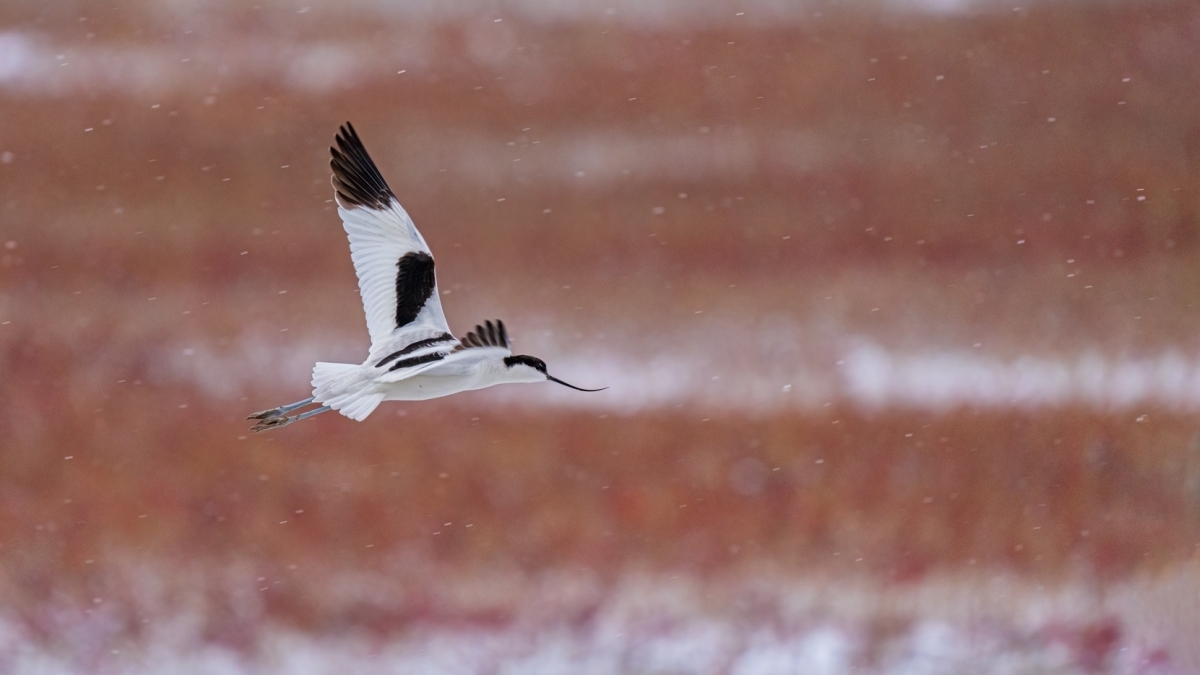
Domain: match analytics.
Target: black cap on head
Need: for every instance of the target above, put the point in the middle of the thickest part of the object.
(531, 361)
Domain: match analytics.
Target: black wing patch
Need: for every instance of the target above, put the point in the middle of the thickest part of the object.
(415, 281)
(355, 178)
(419, 344)
(418, 360)
(488, 335)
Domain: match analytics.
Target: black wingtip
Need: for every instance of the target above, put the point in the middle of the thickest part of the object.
(356, 180)
(487, 334)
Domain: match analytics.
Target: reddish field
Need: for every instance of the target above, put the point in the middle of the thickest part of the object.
(1024, 183)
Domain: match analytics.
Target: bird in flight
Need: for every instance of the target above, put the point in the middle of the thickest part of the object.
(413, 355)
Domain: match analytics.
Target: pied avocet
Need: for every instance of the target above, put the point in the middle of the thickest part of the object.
(413, 355)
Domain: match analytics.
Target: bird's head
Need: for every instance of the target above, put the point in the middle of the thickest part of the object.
(523, 368)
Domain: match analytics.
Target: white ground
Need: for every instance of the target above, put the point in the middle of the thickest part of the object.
(766, 625)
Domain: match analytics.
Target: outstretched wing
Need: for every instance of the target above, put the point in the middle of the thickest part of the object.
(394, 265)
(488, 335)
(488, 341)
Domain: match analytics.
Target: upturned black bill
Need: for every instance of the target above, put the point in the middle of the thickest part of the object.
(555, 379)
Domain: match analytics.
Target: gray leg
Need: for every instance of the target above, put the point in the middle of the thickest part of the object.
(314, 411)
(279, 422)
(281, 410)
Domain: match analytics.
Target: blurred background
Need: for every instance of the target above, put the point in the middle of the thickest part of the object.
(896, 301)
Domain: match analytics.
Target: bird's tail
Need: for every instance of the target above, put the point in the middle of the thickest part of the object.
(343, 387)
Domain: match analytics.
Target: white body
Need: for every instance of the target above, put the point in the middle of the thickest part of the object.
(355, 390)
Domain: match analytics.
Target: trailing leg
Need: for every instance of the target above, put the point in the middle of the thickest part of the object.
(279, 422)
(281, 410)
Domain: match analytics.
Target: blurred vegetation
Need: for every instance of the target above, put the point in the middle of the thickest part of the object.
(958, 167)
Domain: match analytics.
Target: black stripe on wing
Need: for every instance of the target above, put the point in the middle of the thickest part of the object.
(419, 344)
(415, 281)
(488, 335)
(355, 178)
(418, 360)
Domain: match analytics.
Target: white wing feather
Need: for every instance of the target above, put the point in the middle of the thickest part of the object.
(381, 235)
(378, 239)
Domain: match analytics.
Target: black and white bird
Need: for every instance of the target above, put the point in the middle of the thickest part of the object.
(413, 355)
